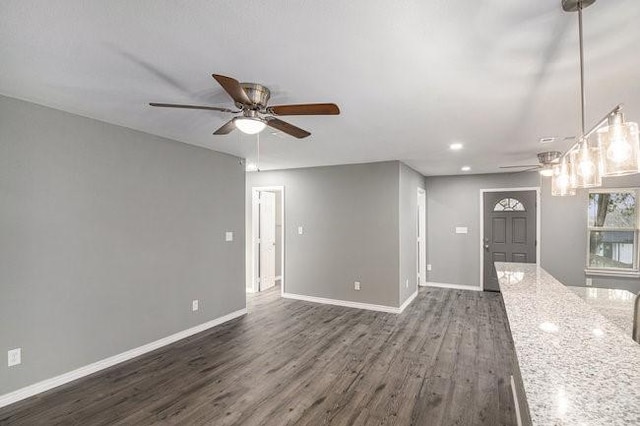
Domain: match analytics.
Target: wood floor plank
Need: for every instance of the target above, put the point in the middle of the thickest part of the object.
(446, 360)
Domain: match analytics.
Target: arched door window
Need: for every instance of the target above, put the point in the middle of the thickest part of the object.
(509, 205)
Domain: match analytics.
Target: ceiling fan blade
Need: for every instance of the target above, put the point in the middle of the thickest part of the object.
(210, 108)
(529, 169)
(304, 109)
(520, 167)
(233, 88)
(226, 128)
(290, 129)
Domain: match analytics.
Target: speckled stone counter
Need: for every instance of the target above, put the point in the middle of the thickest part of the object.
(577, 368)
(615, 305)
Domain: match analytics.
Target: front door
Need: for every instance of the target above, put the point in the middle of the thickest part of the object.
(509, 231)
(267, 240)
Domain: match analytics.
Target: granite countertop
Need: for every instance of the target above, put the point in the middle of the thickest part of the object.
(577, 367)
(616, 305)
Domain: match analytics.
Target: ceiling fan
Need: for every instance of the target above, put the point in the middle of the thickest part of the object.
(546, 162)
(251, 99)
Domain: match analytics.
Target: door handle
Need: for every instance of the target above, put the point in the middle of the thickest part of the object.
(486, 246)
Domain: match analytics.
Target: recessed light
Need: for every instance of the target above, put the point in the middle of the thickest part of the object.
(455, 146)
(547, 140)
(465, 168)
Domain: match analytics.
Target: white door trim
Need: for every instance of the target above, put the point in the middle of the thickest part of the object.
(482, 192)
(422, 267)
(254, 234)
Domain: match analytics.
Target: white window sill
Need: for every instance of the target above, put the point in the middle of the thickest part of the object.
(612, 273)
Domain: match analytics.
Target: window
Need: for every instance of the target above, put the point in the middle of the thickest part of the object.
(613, 231)
(509, 205)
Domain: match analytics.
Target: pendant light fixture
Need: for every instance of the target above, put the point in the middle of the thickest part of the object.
(620, 146)
(586, 170)
(561, 181)
(615, 152)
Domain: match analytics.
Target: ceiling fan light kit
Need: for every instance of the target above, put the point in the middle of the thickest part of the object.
(616, 152)
(249, 125)
(546, 171)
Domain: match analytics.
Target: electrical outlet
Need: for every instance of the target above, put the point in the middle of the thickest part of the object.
(300, 230)
(14, 357)
(589, 282)
(429, 267)
(406, 284)
(194, 305)
(228, 236)
(356, 285)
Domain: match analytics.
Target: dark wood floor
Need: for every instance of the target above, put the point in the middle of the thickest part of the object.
(445, 361)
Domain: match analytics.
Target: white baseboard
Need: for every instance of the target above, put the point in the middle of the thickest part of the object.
(408, 301)
(453, 286)
(70, 376)
(345, 303)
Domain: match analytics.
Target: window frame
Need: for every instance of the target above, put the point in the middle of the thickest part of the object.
(613, 272)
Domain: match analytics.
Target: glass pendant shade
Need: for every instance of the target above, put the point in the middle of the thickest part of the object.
(250, 126)
(561, 184)
(620, 147)
(586, 170)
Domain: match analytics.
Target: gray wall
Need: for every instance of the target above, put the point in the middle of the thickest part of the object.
(564, 236)
(106, 235)
(350, 220)
(410, 181)
(455, 201)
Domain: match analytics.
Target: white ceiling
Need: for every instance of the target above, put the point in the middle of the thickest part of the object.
(410, 77)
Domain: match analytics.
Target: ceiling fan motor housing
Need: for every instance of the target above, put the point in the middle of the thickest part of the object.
(257, 93)
(549, 157)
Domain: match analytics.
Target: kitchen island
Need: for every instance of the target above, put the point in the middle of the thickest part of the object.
(577, 368)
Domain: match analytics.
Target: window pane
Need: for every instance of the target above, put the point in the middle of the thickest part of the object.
(508, 205)
(611, 249)
(615, 209)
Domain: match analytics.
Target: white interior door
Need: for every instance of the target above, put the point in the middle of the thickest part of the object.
(267, 240)
(422, 238)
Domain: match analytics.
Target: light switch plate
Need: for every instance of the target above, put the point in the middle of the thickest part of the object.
(428, 267)
(356, 285)
(462, 230)
(14, 357)
(300, 230)
(194, 305)
(228, 236)
(589, 282)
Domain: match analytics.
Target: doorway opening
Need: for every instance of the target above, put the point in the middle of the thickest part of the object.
(267, 239)
(510, 230)
(422, 238)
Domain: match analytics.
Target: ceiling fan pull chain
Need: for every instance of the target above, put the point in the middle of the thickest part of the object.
(258, 153)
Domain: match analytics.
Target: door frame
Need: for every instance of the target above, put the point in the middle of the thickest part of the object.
(255, 254)
(482, 192)
(421, 279)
